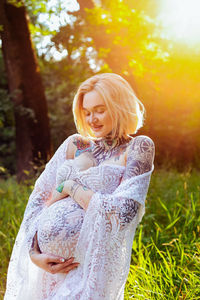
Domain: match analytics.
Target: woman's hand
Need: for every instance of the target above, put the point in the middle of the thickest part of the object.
(52, 263)
(56, 196)
(49, 262)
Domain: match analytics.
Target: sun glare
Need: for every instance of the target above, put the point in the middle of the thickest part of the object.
(180, 20)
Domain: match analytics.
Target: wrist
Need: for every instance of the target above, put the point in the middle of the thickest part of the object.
(68, 186)
(72, 187)
(64, 187)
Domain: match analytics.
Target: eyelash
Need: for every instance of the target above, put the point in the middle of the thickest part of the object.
(100, 112)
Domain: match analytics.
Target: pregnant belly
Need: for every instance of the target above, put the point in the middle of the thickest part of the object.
(59, 228)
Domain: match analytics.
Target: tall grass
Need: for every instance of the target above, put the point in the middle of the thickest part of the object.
(166, 250)
(13, 199)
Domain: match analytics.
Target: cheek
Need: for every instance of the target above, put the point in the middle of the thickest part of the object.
(107, 119)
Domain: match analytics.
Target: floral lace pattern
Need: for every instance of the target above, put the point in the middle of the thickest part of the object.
(100, 238)
(59, 226)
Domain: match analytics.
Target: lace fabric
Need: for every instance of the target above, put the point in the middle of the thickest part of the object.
(100, 238)
(59, 227)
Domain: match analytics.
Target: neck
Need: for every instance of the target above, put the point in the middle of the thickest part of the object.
(109, 142)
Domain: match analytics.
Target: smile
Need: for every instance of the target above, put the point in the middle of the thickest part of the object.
(96, 127)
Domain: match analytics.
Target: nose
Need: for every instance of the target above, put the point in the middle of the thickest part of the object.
(92, 118)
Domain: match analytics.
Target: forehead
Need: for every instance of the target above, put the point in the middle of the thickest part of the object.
(92, 99)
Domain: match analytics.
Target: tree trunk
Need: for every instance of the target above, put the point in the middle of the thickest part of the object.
(25, 88)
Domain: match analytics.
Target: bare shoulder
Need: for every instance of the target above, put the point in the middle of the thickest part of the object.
(140, 156)
(77, 145)
(141, 143)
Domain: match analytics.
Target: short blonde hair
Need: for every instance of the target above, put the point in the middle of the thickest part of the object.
(120, 100)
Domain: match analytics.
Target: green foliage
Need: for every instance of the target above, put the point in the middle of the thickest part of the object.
(127, 35)
(61, 81)
(166, 248)
(39, 29)
(7, 129)
(17, 3)
(7, 134)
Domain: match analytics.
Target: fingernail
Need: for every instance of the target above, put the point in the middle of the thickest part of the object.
(72, 258)
(62, 259)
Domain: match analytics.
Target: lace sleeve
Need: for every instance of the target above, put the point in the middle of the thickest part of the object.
(139, 161)
(43, 188)
(20, 265)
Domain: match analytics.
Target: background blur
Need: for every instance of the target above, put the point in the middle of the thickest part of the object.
(49, 47)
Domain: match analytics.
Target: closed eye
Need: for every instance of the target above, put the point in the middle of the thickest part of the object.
(100, 111)
(97, 108)
(86, 113)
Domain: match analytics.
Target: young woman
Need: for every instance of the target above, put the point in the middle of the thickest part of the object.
(76, 237)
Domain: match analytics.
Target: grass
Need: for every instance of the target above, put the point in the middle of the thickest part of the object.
(166, 249)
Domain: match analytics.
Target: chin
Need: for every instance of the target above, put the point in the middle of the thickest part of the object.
(98, 134)
(101, 133)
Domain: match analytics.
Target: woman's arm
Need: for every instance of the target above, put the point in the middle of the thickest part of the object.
(124, 203)
(140, 159)
(83, 159)
(41, 194)
(78, 192)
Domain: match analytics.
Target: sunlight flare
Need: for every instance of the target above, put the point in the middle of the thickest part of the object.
(181, 20)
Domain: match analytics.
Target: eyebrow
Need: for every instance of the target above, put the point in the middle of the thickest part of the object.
(100, 105)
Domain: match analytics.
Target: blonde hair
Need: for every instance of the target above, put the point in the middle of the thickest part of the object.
(120, 100)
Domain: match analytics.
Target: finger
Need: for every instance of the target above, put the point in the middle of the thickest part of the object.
(69, 268)
(63, 268)
(58, 260)
(58, 267)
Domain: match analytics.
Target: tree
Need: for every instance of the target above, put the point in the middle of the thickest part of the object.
(25, 88)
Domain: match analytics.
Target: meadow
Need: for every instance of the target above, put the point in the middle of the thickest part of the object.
(166, 250)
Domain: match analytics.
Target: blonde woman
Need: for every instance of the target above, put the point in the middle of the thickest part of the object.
(76, 237)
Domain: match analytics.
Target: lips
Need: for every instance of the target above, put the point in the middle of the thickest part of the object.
(96, 127)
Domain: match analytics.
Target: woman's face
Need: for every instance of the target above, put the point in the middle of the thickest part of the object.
(96, 114)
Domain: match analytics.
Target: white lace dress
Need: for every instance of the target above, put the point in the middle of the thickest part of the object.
(60, 224)
(100, 238)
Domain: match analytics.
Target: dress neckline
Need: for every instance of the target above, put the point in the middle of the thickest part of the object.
(102, 151)
(119, 167)
(112, 165)
(107, 143)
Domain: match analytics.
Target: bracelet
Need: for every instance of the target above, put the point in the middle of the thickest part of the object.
(74, 188)
(60, 187)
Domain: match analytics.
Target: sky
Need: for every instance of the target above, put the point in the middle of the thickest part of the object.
(181, 20)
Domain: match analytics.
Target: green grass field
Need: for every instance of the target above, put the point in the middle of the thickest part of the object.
(166, 250)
